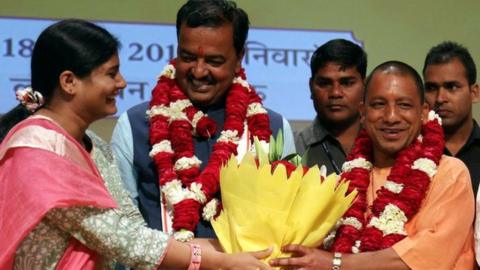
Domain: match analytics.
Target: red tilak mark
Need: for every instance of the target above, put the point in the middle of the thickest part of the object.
(201, 52)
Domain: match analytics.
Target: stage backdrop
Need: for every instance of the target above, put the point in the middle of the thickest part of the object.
(276, 61)
(282, 31)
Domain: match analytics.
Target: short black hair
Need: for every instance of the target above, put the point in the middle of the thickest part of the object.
(446, 52)
(399, 68)
(340, 51)
(215, 13)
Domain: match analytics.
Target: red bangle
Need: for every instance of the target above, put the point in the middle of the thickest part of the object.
(196, 257)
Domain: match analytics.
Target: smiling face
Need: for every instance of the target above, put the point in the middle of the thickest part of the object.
(392, 114)
(448, 92)
(206, 63)
(337, 93)
(96, 93)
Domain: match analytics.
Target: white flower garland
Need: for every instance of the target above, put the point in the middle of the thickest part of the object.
(356, 247)
(242, 82)
(391, 221)
(393, 187)
(196, 193)
(210, 210)
(159, 110)
(352, 222)
(255, 108)
(168, 71)
(425, 165)
(356, 163)
(229, 136)
(183, 236)
(184, 163)
(434, 116)
(175, 193)
(198, 115)
(173, 190)
(163, 146)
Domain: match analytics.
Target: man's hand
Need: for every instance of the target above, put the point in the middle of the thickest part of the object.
(304, 258)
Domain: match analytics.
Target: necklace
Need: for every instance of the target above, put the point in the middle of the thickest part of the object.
(398, 200)
(173, 123)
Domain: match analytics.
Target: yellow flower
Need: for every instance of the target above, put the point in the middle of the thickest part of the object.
(263, 209)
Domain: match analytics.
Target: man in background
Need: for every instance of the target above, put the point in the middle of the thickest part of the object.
(336, 85)
(450, 89)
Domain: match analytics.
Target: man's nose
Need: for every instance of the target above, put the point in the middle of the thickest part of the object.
(336, 91)
(200, 69)
(391, 114)
(441, 96)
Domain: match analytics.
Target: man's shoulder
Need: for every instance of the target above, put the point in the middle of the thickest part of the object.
(272, 112)
(475, 131)
(450, 168)
(139, 109)
(450, 162)
(307, 134)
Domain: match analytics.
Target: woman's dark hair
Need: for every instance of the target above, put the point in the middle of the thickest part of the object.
(75, 45)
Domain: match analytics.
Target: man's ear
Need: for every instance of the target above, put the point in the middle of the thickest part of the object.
(310, 85)
(475, 92)
(238, 65)
(425, 111)
(68, 82)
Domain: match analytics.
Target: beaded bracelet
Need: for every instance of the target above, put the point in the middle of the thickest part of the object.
(337, 261)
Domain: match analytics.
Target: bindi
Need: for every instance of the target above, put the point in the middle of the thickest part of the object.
(200, 51)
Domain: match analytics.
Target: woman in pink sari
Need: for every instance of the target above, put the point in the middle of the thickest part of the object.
(59, 209)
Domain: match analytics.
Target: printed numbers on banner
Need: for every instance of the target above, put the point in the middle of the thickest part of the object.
(22, 47)
(152, 52)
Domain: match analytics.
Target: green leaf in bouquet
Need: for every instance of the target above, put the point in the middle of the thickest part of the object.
(305, 157)
(271, 149)
(261, 155)
(296, 160)
(289, 156)
(279, 145)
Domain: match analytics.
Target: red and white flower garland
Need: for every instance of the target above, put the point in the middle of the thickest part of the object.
(400, 197)
(173, 123)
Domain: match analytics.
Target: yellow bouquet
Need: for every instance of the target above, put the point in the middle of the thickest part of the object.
(264, 209)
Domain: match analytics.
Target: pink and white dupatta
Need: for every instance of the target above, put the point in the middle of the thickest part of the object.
(42, 167)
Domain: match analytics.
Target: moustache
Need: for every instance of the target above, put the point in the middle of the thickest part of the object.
(208, 79)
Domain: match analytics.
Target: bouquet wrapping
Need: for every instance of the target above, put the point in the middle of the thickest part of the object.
(264, 208)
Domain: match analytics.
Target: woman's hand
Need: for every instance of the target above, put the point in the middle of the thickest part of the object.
(244, 261)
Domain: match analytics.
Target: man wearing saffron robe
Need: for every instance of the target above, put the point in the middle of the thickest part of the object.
(415, 206)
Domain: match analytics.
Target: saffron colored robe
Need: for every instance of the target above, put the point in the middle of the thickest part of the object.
(440, 235)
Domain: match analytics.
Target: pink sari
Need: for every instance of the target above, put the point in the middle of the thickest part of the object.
(42, 167)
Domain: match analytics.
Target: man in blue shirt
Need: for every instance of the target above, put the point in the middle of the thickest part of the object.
(211, 37)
